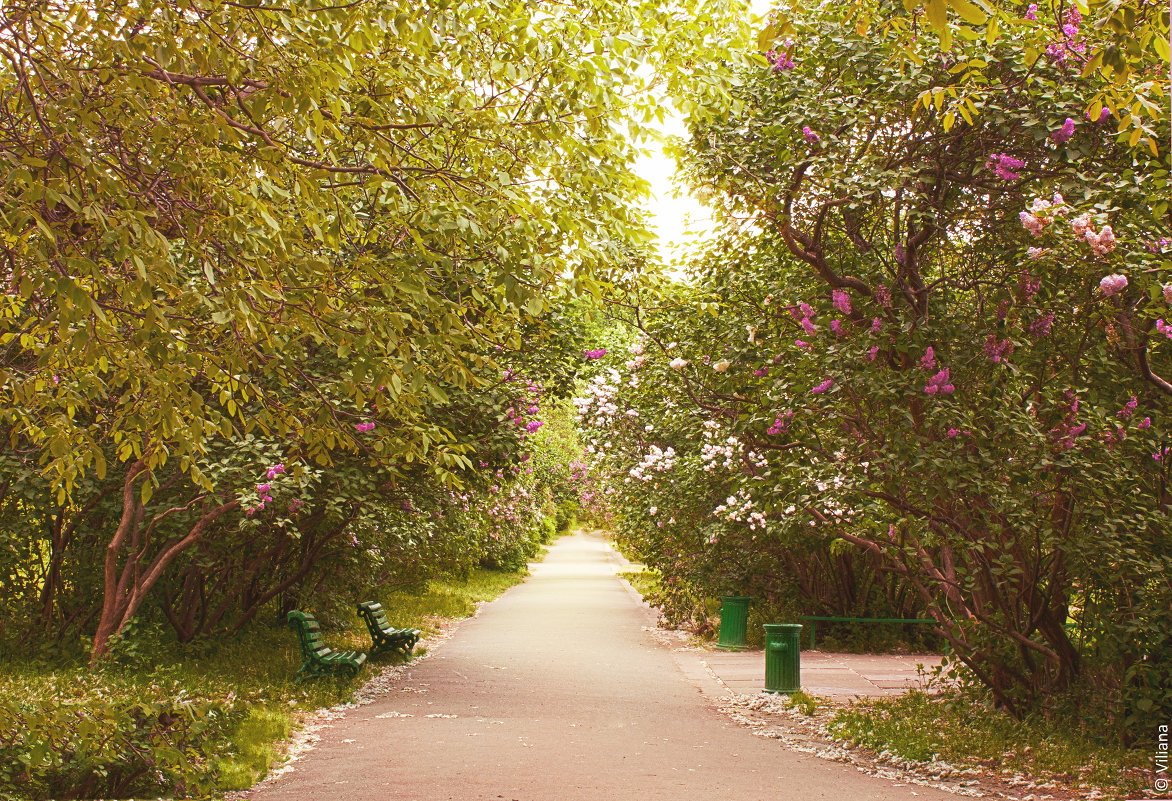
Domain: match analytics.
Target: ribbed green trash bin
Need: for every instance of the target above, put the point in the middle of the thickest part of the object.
(734, 619)
(783, 665)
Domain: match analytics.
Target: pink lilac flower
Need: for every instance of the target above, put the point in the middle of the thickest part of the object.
(364, 427)
(1040, 327)
(1128, 408)
(1036, 253)
(872, 353)
(1146, 423)
(780, 61)
(809, 327)
(1163, 328)
(1103, 242)
(939, 383)
(1031, 223)
(803, 345)
(810, 135)
(534, 425)
(594, 354)
(1113, 284)
(928, 360)
(1005, 166)
(836, 327)
(781, 424)
(760, 373)
(262, 489)
(900, 255)
(996, 350)
(1080, 224)
(876, 325)
(823, 387)
(842, 301)
(1032, 12)
(1029, 286)
(883, 295)
(1066, 432)
(953, 433)
(1064, 133)
(275, 470)
(806, 309)
(1168, 294)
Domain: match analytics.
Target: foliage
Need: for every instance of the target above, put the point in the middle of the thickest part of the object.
(933, 353)
(1121, 45)
(208, 715)
(89, 745)
(339, 240)
(961, 729)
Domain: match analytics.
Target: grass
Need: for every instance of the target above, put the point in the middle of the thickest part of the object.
(962, 730)
(250, 675)
(644, 581)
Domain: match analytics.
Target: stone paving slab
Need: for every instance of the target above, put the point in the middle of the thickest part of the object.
(840, 677)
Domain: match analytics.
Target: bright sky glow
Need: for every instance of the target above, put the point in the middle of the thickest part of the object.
(677, 218)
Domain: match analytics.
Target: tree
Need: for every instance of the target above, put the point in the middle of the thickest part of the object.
(943, 343)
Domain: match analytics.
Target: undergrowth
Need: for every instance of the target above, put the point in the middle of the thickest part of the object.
(962, 728)
(187, 719)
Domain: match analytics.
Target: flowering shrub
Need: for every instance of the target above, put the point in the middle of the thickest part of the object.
(987, 421)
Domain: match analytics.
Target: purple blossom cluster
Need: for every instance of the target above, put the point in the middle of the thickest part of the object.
(1128, 408)
(1005, 166)
(928, 360)
(364, 427)
(1063, 134)
(1072, 42)
(1066, 432)
(939, 384)
(823, 387)
(1041, 325)
(591, 355)
(781, 423)
(999, 350)
(779, 60)
(264, 491)
(841, 300)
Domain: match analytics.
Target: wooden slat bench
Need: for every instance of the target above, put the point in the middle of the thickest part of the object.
(383, 635)
(316, 658)
(814, 620)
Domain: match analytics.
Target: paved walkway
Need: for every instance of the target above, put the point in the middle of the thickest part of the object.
(558, 692)
(837, 676)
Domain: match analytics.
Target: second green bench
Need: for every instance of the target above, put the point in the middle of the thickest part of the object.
(813, 620)
(383, 635)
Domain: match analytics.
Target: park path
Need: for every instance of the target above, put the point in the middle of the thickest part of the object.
(557, 692)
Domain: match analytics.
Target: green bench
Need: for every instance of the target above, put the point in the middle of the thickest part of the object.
(316, 658)
(813, 620)
(383, 635)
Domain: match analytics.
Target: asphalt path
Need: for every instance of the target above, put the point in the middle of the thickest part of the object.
(558, 692)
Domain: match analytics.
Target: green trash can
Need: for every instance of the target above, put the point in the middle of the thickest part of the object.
(734, 619)
(783, 662)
